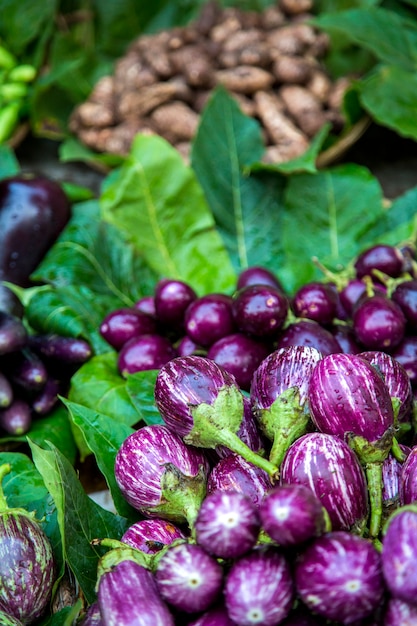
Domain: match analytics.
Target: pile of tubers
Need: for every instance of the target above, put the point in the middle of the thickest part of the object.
(271, 61)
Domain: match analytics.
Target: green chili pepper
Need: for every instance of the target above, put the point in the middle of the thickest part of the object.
(9, 117)
(12, 91)
(7, 60)
(24, 73)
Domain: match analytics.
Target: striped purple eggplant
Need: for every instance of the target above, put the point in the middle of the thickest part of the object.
(348, 398)
(188, 578)
(127, 595)
(160, 475)
(330, 468)
(217, 616)
(278, 395)
(249, 600)
(92, 616)
(399, 554)
(400, 613)
(200, 401)
(27, 566)
(233, 473)
(227, 524)
(151, 535)
(408, 478)
(339, 577)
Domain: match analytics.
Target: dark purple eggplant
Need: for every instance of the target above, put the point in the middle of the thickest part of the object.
(345, 337)
(6, 392)
(13, 334)
(47, 398)
(209, 318)
(127, 594)
(260, 311)
(33, 212)
(378, 323)
(399, 554)
(16, 419)
(348, 398)
(227, 525)
(146, 304)
(27, 566)
(171, 299)
(400, 613)
(391, 475)
(233, 473)
(151, 535)
(278, 396)
(405, 295)
(216, 616)
(92, 616)
(350, 293)
(120, 325)
(187, 346)
(200, 401)
(68, 350)
(160, 475)
(316, 301)
(146, 352)
(240, 355)
(330, 468)
(249, 600)
(188, 578)
(257, 275)
(311, 334)
(339, 577)
(408, 478)
(381, 257)
(26, 369)
(292, 514)
(248, 432)
(406, 354)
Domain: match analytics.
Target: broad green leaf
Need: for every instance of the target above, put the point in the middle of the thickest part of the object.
(104, 436)
(245, 207)
(22, 22)
(157, 202)
(389, 94)
(64, 617)
(327, 216)
(72, 150)
(9, 165)
(140, 387)
(399, 222)
(80, 519)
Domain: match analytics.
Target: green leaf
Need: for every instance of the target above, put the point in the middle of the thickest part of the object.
(399, 221)
(157, 202)
(244, 206)
(140, 387)
(9, 165)
(327, 216)
(22, 22)
(389, 94)
(80, 519)
(70, 149)
(104, 436)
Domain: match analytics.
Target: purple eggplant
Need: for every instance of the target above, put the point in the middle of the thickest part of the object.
(381, 257)
(151, 535)
(399, 554)
(27, 566)
(249, 600)
(6, 392)
(127, 594)
(378, 322)
(400, 613)
(278, 396)
(13, 334)
(186, 347)
(292, 514)
(203, 403)
(146, 304)
(159, 475)
(209, 318)
(47, 398)
(405, 295)
(216, 616)
(391, 477)
(227, 525)
(345, 337)
(308, 333)
(120, 325)
(234, 473)
(406, 354)
(257, 275)
(68, 350)
(408, 478)
(26, 369)
(92, 616)
(188, 578)
(339, 577)
(16, 419)
(171, 299)
(350, 294)
(260, 310)
(248, 432)
(146, 352)
(316, 301)
(330, 468)
(348, 398)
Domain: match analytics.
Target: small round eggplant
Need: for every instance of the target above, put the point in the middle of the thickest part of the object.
(146, 352)
(120, 325)
(308, 333)
(382, 257)
(151, 535)
(160, 475)
(249, 600)
(400, 613)
(68, 350)
(406, 354)
(146, 304)
(316, 301)
(171, 300)
(16, 419)
(408, 478)
(339, 576)
(209, 318)
(292, 514)
(233, 473)
(26, 369)
(6, 392)
(227, 524)
(399, 555)
(378, 323)
(260, 311)
(350, 294)
(13, 334)
(188, 578)
(257, 275)
(405, 295)
(345, 337)
(330, 468)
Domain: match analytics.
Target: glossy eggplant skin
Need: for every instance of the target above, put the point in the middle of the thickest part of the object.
(399, 555)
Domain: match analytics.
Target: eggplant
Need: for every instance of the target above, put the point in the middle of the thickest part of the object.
(68, 350)
(171, 300)
(6, 392)
(146, 304)
(200, 401)
(405, 295)
(27, 566)
(227, 525)
(399, 554)
(248, 599)
(217, 616)
(339, 577)
(127, 595)
(260, 311)
(378, 322)
(316, 301)
(234, 473)
(248, 432)
(146, 352)
(292, 514)
(159, 475)
(257, 275)
(16, 419)
(408, 478)
(209, 318)
(406, 354)
(13, 334)
(348, 398)
(122, 324)
(278, 396)
(188, 578)
(330, 468)
(381, 257)
(26, 369)
(92, 616)
(305, 332)
(151, 535)
(47, 398)
(400, 613)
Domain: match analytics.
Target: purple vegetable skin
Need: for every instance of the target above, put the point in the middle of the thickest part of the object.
(217, 616)
(128, 595)
(249, 600)
(408, 478)
(308, 333)
(188, 578)
(400, 613)
(227, 524)
(399, 555)
(122, 324)
(160, 475)
(329, 467)
(257, 275)
(209, 318)
(339, 577)
(92, 616)
(151, 535)
(260, 310)
(171, 299)
(233, 473)
(146, 352)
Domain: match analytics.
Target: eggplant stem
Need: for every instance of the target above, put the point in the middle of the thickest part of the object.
(235, 444)
(374, 479)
